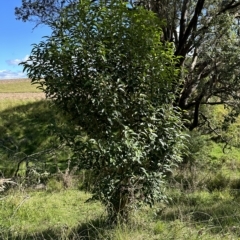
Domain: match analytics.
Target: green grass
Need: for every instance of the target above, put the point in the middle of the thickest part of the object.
(18, 86)
(13, 103)
(40, 213)
(203, 198)
(25, 132)
(215, 213)
(218, 152)
(67, 215)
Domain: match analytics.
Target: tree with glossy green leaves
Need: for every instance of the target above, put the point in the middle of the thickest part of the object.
(205, 34)
(104, 67)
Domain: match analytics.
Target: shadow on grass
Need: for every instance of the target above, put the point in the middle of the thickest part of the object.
(92, 230)
(219, 215)
(95, 229)
(25, 127)
(27, 130)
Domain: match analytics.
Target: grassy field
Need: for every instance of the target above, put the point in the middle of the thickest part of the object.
(65, 214)
(25, 128)
(203, 198)
(18, 92)
(18, 86)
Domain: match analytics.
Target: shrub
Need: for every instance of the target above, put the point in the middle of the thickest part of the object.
(105, 68)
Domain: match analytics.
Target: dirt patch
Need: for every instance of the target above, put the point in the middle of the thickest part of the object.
(37, 96)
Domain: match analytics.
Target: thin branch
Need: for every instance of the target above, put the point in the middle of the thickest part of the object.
(229, 6)
(33, 155)
(214, 130)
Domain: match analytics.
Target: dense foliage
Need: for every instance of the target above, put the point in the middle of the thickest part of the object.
(105, 68)
(205, 34)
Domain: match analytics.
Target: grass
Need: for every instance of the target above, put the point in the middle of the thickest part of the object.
(216, 213)
(67, 215)
(14, 103)
(203, 199)
(18, 86)
(40, 213)
(26, 132)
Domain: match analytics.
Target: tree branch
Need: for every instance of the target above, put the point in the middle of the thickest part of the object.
(230, 6)
(192, 24)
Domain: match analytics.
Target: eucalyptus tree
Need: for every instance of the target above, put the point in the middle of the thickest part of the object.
(40, 11)
(104, 67)
(205, 34)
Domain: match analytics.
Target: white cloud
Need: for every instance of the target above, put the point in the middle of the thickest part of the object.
(8, 74)
(15, 62)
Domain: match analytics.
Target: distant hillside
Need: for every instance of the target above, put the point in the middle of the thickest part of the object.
(15, 79)
(18, 86)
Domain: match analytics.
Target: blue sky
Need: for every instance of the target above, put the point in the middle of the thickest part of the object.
(16, 39)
